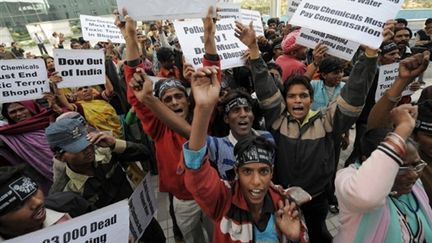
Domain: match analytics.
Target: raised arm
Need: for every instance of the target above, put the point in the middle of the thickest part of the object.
(409, 69)
(270, 99)
(200, 178)
(366, 188)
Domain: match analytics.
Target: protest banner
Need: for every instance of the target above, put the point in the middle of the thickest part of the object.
(100, 29)
(23, 79)
(337, 46)
(191, 37)
(167, 9)
(386, 78)
(250, 15)
(361, 21)
(228, 10)
(292, 7)
(108, 224)
(80, 67)
(142, 205)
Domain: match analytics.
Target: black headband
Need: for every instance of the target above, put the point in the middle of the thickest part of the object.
(388, 48)
(168, 84)
(236, 102)
(255, 154)
(15, 193)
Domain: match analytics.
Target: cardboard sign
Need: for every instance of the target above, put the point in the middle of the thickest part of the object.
(292, 7)
(361, 21)
(108, 224)
(23, 79)
(387, 76)
(167, 9)
(337, 46)
(143, 205)
(80, 67)
(254, 16)
(191, 37)
(100, 29)
(229, 10)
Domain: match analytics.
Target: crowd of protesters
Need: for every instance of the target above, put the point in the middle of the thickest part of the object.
(227, 144)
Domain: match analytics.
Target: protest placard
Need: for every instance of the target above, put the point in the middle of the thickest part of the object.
(292, 7)
(80, 67)
(191, 37)
(337, 46)
(167, 9)
(386, 78)
(142, 205)
(228, 10)
(24, 79)
(100, 29)
(251, 15)
(361, 21)
(108, 224)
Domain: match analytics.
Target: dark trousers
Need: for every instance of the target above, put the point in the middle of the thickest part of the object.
(356, 153)
(176, 230)
(153, 233)
(42, 48)
(315, 213)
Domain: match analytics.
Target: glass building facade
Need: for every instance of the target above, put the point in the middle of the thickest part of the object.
(16, 14)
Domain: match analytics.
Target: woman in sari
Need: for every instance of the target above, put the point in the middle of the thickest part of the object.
(24, 138)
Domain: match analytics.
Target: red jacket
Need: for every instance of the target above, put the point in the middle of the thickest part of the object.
(168, 143)
(224, 203)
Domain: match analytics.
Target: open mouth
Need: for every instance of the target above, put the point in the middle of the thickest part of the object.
(298, 109)
(243, 125)
(178, 111)
(39, 214)
(256, 193)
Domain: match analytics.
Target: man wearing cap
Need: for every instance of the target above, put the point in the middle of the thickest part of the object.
(249, 209)
(423, 135)
(294, 55)
(102, 182)
(22, 205)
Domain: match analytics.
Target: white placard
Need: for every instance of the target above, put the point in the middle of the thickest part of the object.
(386, 78)
(143, 205)
(23, 79)
(100, 29)
(191, 37)
(292, 7)
(337, 46)
(80, 67)
(360, 21)
(254, 16)
(166, 9)
(108, 224)
(229, 10)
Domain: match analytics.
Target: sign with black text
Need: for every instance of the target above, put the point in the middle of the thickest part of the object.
(167, 9)
(360, 21)
(292, 7)
(108, 224)
(142, 205)
(100, 29)
(80, 67)
(23, 79)
(251, 15)
(228, 10)
(191, 37)
(387, 76)
(337, 46)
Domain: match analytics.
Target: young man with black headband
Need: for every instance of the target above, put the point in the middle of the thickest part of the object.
(249, 208)
(22, 205)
